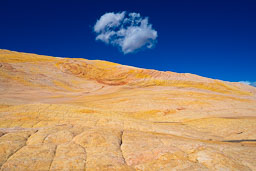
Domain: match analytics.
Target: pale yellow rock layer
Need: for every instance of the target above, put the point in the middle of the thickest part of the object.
(78, 114)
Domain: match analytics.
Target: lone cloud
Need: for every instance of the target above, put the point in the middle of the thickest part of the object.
(128, 31)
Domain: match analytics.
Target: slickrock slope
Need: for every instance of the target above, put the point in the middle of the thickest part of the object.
(78, 114)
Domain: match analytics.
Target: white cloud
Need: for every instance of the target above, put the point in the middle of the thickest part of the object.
(108, 20)
(249, 83)
(129, 32)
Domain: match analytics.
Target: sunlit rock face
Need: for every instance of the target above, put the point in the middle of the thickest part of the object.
(78, 114)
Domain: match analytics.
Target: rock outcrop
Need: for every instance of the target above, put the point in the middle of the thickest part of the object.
(78, 114)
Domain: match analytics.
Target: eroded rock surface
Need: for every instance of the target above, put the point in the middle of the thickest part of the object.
(77, 114)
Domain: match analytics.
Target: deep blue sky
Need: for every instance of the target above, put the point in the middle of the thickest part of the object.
(212, 38)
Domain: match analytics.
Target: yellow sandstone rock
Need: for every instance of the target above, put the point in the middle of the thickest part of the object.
(78, 114)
